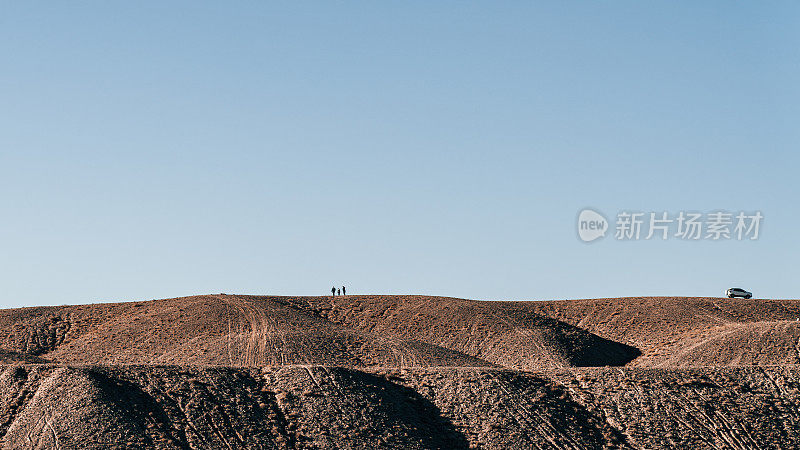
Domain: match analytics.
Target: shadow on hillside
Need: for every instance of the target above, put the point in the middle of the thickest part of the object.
(226, 406)
(577, 346)
(400, 407)
(604, 352)
(145, 414)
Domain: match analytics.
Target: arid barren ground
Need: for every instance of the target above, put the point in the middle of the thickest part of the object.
(231, 371)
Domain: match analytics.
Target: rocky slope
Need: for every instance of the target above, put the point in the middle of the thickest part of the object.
(45, 406)
(229, 372)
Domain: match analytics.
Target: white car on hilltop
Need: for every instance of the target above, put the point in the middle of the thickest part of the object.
(738, 292)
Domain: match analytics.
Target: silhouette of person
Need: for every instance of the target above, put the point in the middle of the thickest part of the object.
(340, 292)
(344, 291)
(333, 291)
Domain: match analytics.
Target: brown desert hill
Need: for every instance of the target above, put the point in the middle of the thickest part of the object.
(369, 331)
(207, 330)
(509, 335)
(353, 331)
(410, 372)
(292, 407)
(756, 343)
(689, 331)
(172, 407)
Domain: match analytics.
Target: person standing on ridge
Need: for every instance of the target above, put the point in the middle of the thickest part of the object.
(344, 291)
(333, 291)
(340, 292)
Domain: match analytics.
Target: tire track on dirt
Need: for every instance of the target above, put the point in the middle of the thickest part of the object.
(525, 417)
(262, 331)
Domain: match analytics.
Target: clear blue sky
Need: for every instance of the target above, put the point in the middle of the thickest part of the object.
(161, 149)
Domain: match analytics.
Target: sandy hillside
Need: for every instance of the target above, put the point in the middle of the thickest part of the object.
(234, 371)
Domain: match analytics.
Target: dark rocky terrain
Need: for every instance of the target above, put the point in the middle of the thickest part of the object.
(223, 371)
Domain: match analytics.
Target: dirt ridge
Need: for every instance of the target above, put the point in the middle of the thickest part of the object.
(239, 371)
